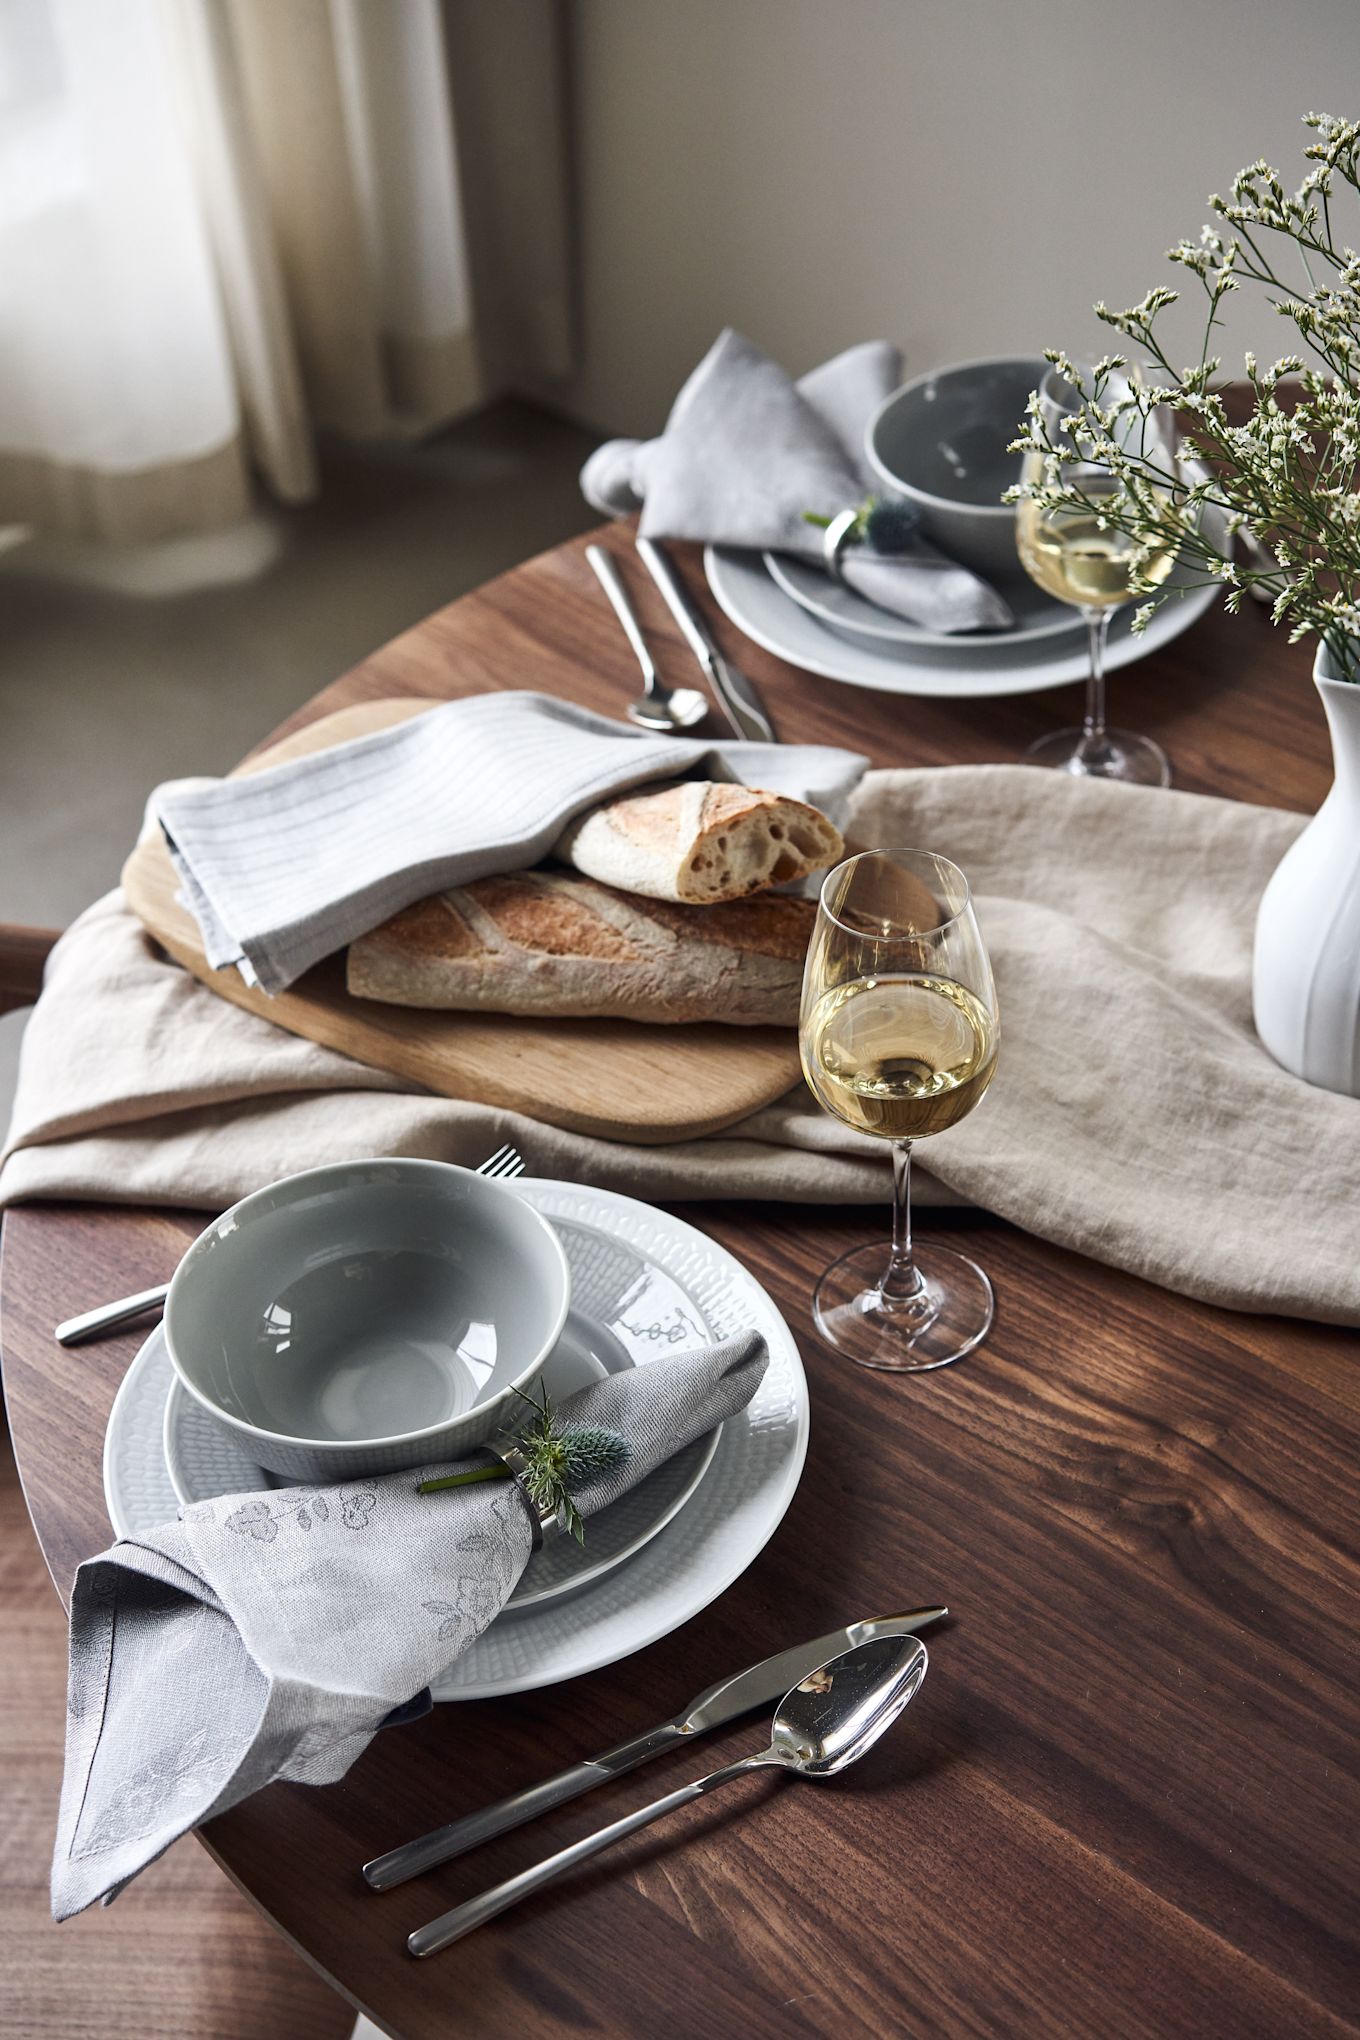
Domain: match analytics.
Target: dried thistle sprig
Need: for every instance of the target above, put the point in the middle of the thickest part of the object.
(560, 1460)
(885, 527)
(1289, 473)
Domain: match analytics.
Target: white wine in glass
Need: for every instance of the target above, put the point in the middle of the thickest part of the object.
(898, 1036)
(1074, 559)
(900, 1056)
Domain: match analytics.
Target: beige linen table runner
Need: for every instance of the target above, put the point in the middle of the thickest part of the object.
(1135, 1117)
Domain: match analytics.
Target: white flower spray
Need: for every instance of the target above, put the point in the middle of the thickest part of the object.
(1286, 475)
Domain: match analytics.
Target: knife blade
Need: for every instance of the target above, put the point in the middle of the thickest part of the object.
(740, 701)
(758, 1686)
(736, 694)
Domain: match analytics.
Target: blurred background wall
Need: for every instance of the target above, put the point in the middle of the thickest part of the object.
(963, 176)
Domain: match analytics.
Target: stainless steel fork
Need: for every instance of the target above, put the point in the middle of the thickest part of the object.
(106, 1317)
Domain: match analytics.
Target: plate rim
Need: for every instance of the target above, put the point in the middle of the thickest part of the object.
(779, 1506)
(933, 678)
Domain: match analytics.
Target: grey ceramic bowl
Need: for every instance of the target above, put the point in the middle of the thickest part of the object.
(941, 441)
(367, 1317)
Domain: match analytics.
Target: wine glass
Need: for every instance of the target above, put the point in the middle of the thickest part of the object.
(1072, 558)
(898, 1036)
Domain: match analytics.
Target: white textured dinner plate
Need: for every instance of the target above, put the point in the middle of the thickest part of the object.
(657, 1285)
(205, 1459)
(842, 609)
(970, 668)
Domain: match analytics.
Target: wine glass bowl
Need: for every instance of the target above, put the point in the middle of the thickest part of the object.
(898, 1038)
(1073, 559)
(1074, 553)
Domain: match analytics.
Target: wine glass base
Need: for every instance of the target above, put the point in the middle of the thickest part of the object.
(1118, 754)
(954, 1312)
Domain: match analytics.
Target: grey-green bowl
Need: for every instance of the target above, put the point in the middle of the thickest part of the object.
(368, 1316)
(941, 441)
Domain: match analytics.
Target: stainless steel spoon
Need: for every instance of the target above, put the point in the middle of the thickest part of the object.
(658, 707)
(826, 1722)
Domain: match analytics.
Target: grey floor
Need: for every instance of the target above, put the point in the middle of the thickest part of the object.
(120, 667)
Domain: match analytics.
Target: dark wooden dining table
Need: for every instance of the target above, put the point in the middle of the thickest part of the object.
(1125, 1801)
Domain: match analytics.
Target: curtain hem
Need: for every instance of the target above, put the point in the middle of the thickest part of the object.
(130, 505)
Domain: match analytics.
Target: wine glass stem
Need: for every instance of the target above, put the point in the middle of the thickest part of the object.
(1093, 726)
(902, 1284)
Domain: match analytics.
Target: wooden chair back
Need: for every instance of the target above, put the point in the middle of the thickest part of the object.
(23, 952)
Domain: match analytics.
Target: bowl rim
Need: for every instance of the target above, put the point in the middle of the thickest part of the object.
(422, 1165)
(906, 488)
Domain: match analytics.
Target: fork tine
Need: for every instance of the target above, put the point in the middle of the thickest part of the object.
(507, 1161)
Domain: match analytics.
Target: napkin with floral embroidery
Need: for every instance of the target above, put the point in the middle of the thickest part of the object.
(269, 1636)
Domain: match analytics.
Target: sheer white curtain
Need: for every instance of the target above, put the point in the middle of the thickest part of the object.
(224, 223)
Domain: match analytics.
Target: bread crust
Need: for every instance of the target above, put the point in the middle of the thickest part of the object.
(550, 942)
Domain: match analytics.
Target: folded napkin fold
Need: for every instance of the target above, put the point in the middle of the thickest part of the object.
(746, 451)
(288, 865)
(266, 1637)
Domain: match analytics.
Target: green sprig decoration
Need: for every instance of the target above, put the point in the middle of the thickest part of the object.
(885, 528)
(559, 1460)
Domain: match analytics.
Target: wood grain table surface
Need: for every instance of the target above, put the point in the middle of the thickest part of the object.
(1125, 1801)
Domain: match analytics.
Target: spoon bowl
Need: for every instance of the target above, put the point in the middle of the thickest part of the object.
(659, 707)
(840, 1711)
(668, 708)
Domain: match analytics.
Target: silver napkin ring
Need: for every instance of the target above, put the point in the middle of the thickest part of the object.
(509, 1451)
(835, 538)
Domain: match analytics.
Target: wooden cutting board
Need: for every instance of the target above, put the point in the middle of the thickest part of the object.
(615, 1078)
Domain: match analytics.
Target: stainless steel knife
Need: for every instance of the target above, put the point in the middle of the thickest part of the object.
(736, 695)
(759, 1686)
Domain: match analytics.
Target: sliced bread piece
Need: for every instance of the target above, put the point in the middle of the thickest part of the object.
(700, 841)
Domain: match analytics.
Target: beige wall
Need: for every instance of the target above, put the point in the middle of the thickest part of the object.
(964, 176)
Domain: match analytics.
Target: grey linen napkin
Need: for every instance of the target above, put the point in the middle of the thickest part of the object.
(288, 865)
(266, 1637)
(746, 451)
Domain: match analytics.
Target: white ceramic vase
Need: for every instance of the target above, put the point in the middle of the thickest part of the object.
(1306, 969)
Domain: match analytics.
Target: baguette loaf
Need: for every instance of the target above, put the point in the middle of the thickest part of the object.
(698, 842)
(548, 942)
